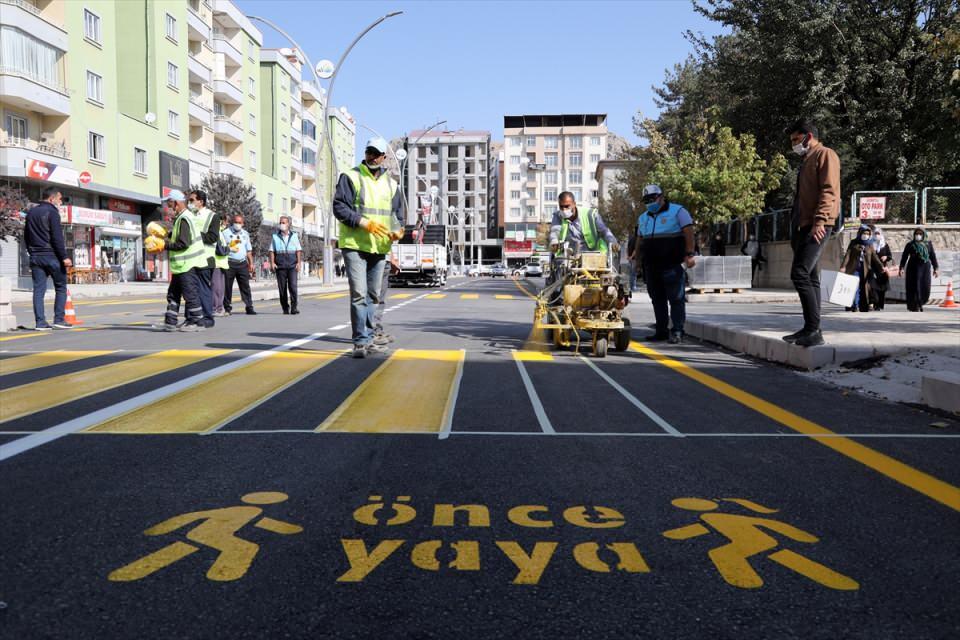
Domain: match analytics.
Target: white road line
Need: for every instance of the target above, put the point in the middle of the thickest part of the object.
(650, 413)
(452, 407)
(337, 327)
(542, 418)
(90, 419)
(632, 434)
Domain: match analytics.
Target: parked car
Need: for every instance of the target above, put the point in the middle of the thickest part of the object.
(498, 271)
(529, 270)
(473, 271)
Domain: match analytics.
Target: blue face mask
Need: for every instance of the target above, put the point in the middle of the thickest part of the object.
(653, 207)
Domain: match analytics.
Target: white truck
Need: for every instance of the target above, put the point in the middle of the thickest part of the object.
(419, 264)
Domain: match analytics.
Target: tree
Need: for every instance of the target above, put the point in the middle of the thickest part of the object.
(12, 204)
(623, 203)
(715, 174)
(228, 196)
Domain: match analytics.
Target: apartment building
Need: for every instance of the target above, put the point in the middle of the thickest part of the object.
(460, 165)
(119, 102)
(545, 155)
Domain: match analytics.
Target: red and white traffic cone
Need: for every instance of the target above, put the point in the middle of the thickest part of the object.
(948, 301)
(70, 314)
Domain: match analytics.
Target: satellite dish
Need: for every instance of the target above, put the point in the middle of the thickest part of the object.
(344, 111)
(401, 155)
(286, 52)
(434, 190)
(325, 69)
(150, 117)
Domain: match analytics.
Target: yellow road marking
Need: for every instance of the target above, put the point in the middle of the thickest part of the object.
(219, 400)
(532, 356)
(524, 290)
(412, 391)
(906, 475)
(503, 296)
(401, 296)
(331, 296)
(26, 335)
(436, 296)
(44, 394)
(84, 303)
(469, 296)
(44, 359)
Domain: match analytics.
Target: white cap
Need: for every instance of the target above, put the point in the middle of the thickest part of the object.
(377, 143)
(176, 195)
(652, 190)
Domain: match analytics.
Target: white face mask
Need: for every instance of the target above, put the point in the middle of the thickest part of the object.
(284, 227)
(865, 237)
(918, 237)
(237, 226)
(566, 214)
(800, 150)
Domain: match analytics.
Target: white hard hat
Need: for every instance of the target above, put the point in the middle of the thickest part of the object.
(377, 143)
(652, 190)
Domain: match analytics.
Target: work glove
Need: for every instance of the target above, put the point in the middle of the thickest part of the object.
(156, 229)
(153, 244)
(374, 227)
(396, 235)
(615, 247)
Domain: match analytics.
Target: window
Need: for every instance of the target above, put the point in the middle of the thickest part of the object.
(283, 111)
(16, 126)
(551, 159)
(283, 205)
(23, 54)
(253, 159)
(514, 160)
(173, 123)
(140, 161)
(515, 142)
(594, 158)
(577, 194)
(94, 87)
(576, 159)
(531, 141)
(253, 123)
(531, 211)
(514, 177)
(251, 86)
(250, 49)
(595, 141)
(219, 151)
(514, 195)
(91, 26)
(171, 23)
(515, 212)
(270, 201)
(594, 194)
(173, 76)
(95, 148)
(550, 142)
(575, 177)
(576, 142)
(550, 194)
(593, 175)
(550, 177)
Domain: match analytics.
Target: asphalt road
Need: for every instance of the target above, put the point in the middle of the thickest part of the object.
(251, 481)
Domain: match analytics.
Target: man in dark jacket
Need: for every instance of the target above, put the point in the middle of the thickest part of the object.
(48, 257)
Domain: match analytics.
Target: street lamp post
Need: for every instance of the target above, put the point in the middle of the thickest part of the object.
(328, 223)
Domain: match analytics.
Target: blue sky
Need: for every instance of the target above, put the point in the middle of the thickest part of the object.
(470, 63)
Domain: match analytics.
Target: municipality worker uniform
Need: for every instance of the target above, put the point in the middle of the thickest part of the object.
(238, 267)
(208, 224)
(361, 194)
(186, 253)
(664, 250)
(588, 231)
(285, 252)
(219, 276)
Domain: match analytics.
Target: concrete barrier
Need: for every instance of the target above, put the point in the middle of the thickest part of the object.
(8, 321)
(941, 390)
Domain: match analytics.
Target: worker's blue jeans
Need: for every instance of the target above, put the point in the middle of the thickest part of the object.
(668, 285)
(41, 267)
(364, 276)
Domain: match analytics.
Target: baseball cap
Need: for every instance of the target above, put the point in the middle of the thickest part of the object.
(176, 195)
(652, 190)
(377, 143)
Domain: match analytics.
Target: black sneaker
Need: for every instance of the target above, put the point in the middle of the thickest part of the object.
(294, 312)
(251, 312)
(286, 312)
(43, 327)
(676, 338)
(812, 339)
(793, 337)
(656, 337)
(62, 326)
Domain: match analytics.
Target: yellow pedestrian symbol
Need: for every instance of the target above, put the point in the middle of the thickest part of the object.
(216, 531)
(747, 540)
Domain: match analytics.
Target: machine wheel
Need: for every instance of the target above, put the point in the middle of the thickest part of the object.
(622, 339)
(600, 347)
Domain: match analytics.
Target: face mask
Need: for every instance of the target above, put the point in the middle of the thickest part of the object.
(566, 214)
(918, 237)
(799, 149)
(284, 227)
(865, 237)
(653, 207)
(236, 226)
(193, 207)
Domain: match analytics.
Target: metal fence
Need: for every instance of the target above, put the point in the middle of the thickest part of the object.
(940, 205)
(770, 226)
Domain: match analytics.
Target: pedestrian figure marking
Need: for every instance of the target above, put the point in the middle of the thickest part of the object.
(217, 531)
(747, 540)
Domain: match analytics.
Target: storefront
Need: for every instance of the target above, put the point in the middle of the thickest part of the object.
(106, 245)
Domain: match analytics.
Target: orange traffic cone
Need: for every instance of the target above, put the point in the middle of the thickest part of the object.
(70, 314)
(948, 301)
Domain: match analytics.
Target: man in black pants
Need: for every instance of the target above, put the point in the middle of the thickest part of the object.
(209, 228)
(816, 205)
(285, 257)
(239, 265)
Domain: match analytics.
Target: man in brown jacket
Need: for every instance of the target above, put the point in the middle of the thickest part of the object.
(815, 208)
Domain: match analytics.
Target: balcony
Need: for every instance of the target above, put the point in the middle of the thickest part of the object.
(296, 193)
(200, 114)
(309, 143)
(199, 72)
(222, 44)
(199, 18)
(227, 91)
(29, 19)
(309, 171)
(28, 91)
(296, 165)
(200, 157)
(15, 152)
(228, 167)
(227, 129)
(310, 199)
(312, 92)
(296, 133)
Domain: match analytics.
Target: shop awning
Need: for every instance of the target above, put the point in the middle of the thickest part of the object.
(133, 232)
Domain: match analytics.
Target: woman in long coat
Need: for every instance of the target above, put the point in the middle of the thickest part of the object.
(917, 258)
(882, 284)
(861, 260)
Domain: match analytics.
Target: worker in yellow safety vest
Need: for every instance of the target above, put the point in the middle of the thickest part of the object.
(369, 208)
(187, 253)
(581, 225)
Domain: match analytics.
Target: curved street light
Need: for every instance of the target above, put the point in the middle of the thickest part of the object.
(328, 223)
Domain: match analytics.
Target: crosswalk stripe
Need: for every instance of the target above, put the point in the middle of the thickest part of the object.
(331, 296)
(469, 296)
(93, 303)
(401, 296)
(26, 335)
(503, 296)
(18, 364)
(44, 394)
(533, 356)
(413, 391)
(207, 406)
(436, 296)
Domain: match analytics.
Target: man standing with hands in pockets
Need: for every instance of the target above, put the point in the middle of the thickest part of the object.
(366, 200)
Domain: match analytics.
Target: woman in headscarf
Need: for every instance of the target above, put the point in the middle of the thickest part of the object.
(861, 260)
(918, 256)
(882, 283)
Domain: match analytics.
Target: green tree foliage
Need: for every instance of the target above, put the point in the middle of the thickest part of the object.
(623, 203)
(877, 76)
(12, 203)
(228, 196)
